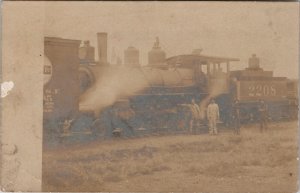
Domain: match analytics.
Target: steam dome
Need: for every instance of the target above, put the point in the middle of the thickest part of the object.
(131, 56)
(156, 56)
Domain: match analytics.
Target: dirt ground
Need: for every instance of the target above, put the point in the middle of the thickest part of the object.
(251, 162)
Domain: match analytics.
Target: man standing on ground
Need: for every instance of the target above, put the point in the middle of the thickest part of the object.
(236, 116)
(213, 117)
(194, 114)
(263, 115)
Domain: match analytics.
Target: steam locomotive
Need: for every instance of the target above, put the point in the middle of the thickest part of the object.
(132, 99)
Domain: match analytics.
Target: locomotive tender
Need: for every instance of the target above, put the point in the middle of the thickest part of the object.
(151, 97)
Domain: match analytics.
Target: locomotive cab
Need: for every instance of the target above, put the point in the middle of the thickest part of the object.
(211, 77)
(211, 74)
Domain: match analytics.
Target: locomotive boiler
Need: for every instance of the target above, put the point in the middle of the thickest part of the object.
(150, 97)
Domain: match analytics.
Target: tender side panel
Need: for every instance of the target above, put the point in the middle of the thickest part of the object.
(267, 90)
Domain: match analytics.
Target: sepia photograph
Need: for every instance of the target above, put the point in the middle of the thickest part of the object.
(168, 97)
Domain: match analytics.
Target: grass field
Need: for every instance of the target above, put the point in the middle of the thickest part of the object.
(251, 162)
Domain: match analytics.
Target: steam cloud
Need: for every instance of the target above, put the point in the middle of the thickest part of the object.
(218, 86)
(112, 84)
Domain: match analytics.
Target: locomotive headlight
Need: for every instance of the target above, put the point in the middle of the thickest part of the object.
(47, 70)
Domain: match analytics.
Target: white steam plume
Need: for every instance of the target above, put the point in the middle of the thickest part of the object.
(112, 83)
(218, 86)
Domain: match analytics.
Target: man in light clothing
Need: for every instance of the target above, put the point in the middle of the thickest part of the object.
(213, 116)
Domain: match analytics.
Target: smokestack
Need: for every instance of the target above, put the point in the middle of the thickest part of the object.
(102, 47)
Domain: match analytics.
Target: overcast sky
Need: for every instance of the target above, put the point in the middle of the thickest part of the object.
(226, 29)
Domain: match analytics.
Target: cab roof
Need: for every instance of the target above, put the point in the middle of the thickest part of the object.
(191, 59)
